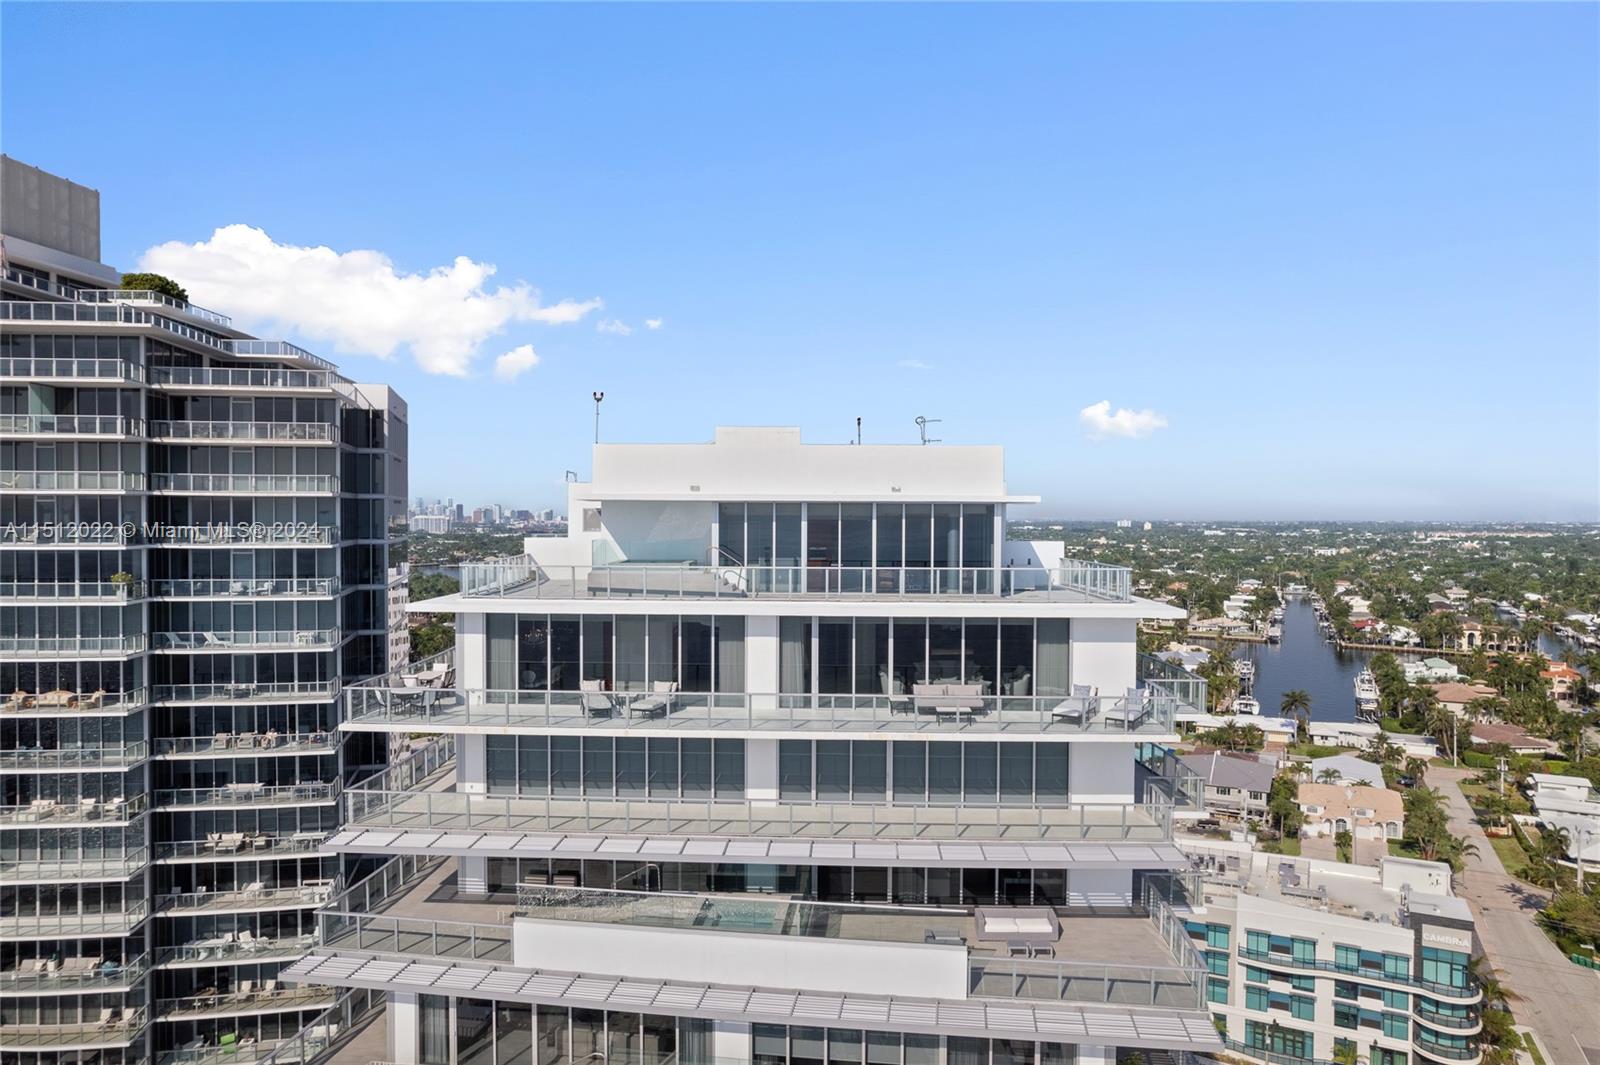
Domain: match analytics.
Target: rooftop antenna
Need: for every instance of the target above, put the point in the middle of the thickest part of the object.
(598, 396)
(858, 429)
(922, 428)
(572, 476)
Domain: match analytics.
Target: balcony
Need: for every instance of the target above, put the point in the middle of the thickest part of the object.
(73, 371)
(415, 709)
(75, 925)
(17, 591)
(1071, 582)
(951, 953)
(49, 813)
(1471, 993)
(249, 744)
(246, 794)
(72, 976)
(246, 692)
(245, 483)
(73, 646)
(262, 639)
(278, 349)
(62, 702)
(71, 481)
(238, 846)
(251, 588)
(144, 297)
(66, 759)
(265, 996)
(250, 898)
(79, 867)
(1438, 1051)
(114, 1027)
(233, 949)
(452, 810)
(68, 534)
(292, 534)
(76, 425)
(181, 378)
(260, 432)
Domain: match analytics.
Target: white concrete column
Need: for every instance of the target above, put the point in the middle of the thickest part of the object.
(1095, 1054)
(1105, 654)
(472, 876)
(730, 1041)
(1100, 772)
(404, 1024)
(761, 660)
(472, 662)
(761, 770)
(472, 764)
(1109, 890)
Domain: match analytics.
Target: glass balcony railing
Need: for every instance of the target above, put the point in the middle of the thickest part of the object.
(249, 588)
(247, 743)
(47, 369)
(1472, 992)
(61, 701)
(250, 378)
(115, 1026)
(249, 997)
(72, 646)
(71, 425)
(271, 432)
(55, 925)
(1089, 822)
(435, 709)
(75, 867)
(71, 481)
(61, 812)
(71, 976)
(115, 591)
(66, 758)
(1086, 582)
(223, 587)
(233, 949)
(246, 483)
(155, 299)
(278, 349)
(234, 846)
(298, 896)
(108, 314)
(242, 641)
(247, 794)
(245, 691)
(1183, 687)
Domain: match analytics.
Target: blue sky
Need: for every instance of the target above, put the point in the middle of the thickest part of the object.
(1346, 253)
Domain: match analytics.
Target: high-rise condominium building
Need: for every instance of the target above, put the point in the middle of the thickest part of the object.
(193, 552)
(782, 756)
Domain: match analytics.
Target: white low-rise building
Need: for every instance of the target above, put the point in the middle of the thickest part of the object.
(1304, 956)
(1571, 804)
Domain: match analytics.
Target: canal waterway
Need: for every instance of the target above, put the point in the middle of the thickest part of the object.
(1308, 661)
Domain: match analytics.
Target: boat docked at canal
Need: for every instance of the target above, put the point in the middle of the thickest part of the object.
(1366, 694)
(1246, 704)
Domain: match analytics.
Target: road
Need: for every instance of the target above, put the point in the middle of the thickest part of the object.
(1557, 999)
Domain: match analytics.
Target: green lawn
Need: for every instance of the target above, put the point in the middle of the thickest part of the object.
(1510, 853)
(1289, 846)
(1399, 848)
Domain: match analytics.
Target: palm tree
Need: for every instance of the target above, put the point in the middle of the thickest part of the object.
(1416, 768)
(1297, 704)
(1348, 1054)
(1328, 776)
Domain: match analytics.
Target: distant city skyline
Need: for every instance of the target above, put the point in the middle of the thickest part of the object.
(1202, 262)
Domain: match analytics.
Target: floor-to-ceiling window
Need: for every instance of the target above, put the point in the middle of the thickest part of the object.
(556, 653)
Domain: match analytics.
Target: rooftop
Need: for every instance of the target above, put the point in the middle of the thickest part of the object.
(1221, 770)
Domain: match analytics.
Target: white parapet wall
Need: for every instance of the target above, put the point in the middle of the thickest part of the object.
(702, 956)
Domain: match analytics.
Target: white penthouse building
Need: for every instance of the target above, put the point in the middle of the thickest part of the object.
(782, 755)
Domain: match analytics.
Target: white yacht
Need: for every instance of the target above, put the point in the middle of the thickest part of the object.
(1246, 704)
(1246, 670)
(1275, 633)
(1366, 693)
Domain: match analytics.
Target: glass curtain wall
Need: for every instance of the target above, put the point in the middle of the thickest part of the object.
(558, 652)
(887, 657)
(918, 772)
(887, 548)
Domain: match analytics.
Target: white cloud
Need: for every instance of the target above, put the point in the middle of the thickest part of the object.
(612, 325)
(356, 300)
(516, 362)
(652, 323)
(913, 364)
(1100, 421)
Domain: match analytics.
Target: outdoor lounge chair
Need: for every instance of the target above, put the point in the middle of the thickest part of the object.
(596, 702)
